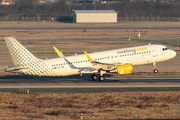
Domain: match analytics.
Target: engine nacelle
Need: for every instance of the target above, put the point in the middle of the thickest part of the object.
(124, 69)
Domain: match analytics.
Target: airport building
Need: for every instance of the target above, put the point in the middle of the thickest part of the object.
(94, 16)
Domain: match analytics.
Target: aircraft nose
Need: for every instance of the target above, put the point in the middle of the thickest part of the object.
(173, 53)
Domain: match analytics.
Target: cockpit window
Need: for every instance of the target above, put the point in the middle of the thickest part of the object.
(164, 49)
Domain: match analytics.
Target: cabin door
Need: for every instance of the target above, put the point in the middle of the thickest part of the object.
(154, 52)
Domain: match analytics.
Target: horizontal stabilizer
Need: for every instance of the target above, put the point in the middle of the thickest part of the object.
(17, 69)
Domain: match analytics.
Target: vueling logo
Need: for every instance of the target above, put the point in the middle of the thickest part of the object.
(141, 49)
(132, 50)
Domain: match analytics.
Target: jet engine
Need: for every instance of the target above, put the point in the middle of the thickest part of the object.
(124, 69)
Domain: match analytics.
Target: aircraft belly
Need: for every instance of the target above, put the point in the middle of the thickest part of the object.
(139, 61)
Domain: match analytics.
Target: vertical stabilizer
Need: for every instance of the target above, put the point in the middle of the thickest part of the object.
(19, 54)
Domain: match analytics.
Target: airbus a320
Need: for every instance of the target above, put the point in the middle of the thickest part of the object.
(120, 61)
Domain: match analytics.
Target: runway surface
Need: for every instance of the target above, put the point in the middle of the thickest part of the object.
(86, 82)
(92, 28)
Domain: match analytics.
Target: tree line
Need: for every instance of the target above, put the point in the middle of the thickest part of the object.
(125, 8)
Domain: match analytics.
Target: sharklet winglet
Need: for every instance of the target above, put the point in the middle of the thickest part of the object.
(89, 58)
(58, 52)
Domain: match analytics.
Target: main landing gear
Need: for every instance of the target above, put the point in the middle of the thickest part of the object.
(101, 77)
(155, 70)
(94, 77)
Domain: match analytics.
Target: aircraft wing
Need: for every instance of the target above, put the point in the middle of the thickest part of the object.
(104, 66)
(88, 70)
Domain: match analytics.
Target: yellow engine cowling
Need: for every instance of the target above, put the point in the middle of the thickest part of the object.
(124, 69)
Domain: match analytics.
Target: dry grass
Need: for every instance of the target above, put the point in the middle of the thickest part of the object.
(40, 24)
(124, 105)
(76, 41)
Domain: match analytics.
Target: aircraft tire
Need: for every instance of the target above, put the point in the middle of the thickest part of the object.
(101, 78)
(155, 71)
(94, 77)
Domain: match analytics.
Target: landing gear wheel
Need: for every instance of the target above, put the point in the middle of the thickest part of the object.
(155, 71)
(101, 78)
(94, 77)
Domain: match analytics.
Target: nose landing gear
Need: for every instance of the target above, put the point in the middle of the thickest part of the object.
(155, 70)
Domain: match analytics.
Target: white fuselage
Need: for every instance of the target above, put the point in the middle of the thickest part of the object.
(78, 64)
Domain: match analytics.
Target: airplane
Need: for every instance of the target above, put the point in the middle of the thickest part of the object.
(120, 61)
